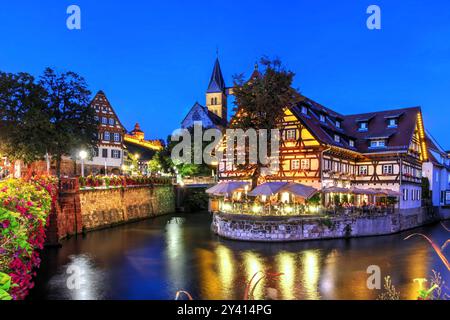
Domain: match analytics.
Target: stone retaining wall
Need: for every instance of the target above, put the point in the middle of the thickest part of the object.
(104, 208)
(274, 229)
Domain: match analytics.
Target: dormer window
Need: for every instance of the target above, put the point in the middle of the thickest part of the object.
(338, 124)
(337, 138)
(351, 143)
(392, 123)
(304, 110)
(363, 126)
(378, 143)
(322, 118)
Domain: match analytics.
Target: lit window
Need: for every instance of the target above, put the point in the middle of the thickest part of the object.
(388, 169)
(304, 110)
(305, 164)
(363, 170)
(106, 136)
(405, 194)
(363, 126)
(351, 143)
(338, 124)
(337, 138)
(104, 120)
(377, 143)
(295, 164)
(291, 134)
(322, 118)
(112, 121)
(392, 123)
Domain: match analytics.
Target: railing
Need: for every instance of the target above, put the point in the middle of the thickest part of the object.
(260, 209)
(69, 185)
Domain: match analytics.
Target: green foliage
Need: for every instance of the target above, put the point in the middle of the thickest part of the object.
(72, 122)
(24, 122)
(196, 200)
(315, 200)
(337, 199)
(51, 115)
(260, 102)
(5, 286)
(23, 217)
(345, 198)
(165, 198)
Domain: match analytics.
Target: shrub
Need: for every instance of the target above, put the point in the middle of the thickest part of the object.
(24, 211)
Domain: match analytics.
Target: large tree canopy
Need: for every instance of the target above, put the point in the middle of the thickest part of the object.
(72, 121)
(51, 116)
(260, 102)
(24, 130)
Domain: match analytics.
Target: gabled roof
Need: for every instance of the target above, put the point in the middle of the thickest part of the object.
(215, 119)
(101, 93)
(216, 84)
(397, 139)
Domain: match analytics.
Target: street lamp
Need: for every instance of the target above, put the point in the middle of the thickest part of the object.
(83, 155)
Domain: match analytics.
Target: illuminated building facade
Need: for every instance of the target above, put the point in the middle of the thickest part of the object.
(322, 148)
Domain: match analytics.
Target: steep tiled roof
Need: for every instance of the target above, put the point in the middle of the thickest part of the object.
(398, 138)
(216, 84)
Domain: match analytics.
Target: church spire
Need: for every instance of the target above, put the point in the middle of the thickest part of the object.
(216, 84)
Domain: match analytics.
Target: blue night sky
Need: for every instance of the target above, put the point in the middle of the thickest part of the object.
(153, 59)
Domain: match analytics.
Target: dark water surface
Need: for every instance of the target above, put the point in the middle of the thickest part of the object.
(154, 259)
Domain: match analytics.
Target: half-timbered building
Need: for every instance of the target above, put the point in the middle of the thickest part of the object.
(322, 148)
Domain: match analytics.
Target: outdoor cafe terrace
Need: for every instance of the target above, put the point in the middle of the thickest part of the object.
(294, 199)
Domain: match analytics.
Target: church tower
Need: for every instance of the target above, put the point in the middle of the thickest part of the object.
(216, 96)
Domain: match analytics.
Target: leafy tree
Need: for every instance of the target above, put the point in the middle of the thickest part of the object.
(24, 130)
(261, 101)
(72, 121)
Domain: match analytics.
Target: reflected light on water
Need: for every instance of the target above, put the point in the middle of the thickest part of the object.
(253, 264)
(286, 266)
(176, 256)
(225, 267)
(311, 272)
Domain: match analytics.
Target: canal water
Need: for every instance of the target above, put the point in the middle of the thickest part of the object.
(154, 259)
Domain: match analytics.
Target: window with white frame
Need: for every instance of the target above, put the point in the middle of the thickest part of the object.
(106, 136)
(295, 164)
(413, 195)
(337, 138)
(291, 134)
(117, 137)
(115, 154)
(363, 126)
(112, 121)
(405, 194)
(351, 143)
(378, 143)
(363, 170)
(388, 169)
(305, 164)
(104, 120)
(393, 123)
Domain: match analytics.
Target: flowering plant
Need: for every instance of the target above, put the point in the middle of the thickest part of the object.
(24, 211)
(120, 181)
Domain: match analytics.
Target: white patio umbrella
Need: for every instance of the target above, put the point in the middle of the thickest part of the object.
(268, 189)
(228, 187)
(300, 190)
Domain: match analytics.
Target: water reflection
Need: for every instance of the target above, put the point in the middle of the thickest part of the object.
(156, 258)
